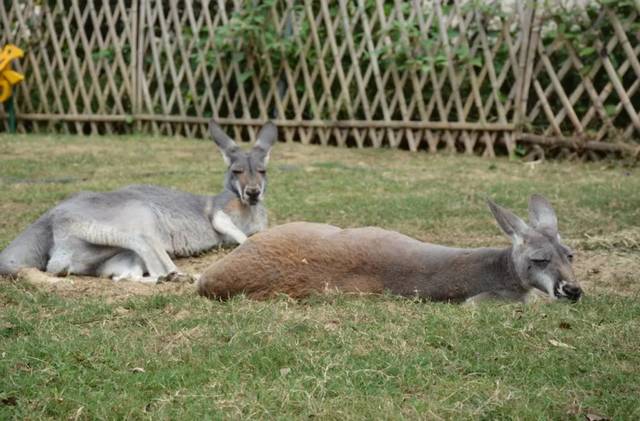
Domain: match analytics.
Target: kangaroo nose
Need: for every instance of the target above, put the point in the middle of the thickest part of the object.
(573, 292)
(252, 192)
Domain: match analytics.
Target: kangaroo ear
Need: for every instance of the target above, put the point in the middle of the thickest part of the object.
(226, 145)
(266, 138)
(510, 223)
(541, 214)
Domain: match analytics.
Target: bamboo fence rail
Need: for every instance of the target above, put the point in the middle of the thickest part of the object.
(420, 74)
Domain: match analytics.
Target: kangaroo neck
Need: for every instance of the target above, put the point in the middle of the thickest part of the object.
(229, 202)
(504, 269)
(495, 274)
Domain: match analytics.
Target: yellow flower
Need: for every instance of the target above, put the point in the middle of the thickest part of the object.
(8, 77)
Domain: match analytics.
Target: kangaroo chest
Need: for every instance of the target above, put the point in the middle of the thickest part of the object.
(248, 219)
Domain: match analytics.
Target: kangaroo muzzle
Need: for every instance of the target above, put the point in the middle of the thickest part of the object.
(252, 193)
(568, 290)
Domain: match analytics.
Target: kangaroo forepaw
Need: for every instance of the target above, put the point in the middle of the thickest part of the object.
(177, 277)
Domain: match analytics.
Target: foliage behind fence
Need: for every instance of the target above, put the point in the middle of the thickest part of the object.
(476, 76)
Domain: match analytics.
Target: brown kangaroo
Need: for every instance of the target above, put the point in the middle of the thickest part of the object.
(302, 258)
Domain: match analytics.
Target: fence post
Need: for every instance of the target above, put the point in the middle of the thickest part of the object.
(134, 59)
(138, 72)
(281, 88)
(531, 34)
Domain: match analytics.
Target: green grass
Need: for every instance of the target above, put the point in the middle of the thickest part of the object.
(177, 356)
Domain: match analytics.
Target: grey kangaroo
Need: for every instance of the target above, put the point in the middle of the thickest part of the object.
(132, 232)
(303, 258)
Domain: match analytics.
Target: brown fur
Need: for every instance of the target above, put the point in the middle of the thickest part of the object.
(296, 267)
(302, 258)
(236, 207)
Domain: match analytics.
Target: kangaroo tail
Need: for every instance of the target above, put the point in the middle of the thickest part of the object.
(30, 249)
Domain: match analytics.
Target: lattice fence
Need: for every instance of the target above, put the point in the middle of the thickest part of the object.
(584, 83)
(452, 75)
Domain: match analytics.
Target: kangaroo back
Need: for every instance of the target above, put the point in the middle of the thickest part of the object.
(298, 259)
(29, 249)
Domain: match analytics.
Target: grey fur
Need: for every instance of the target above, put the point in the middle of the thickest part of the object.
(136, 230)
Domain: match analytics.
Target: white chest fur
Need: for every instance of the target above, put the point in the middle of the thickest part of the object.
(236, 225)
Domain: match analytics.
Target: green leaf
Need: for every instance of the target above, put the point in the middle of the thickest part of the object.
(103, 54)
(586, 51)
(440, 60)
(476, 62)
(242, 77)
(453, 33)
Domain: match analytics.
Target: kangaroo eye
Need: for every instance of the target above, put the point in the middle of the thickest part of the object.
(263, 172)
(237, 170)
(570, 257)
(540, 261)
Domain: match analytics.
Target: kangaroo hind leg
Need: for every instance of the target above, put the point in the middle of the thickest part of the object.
(149, 251)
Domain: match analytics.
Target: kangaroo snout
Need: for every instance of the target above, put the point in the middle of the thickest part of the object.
(252, 193)
(569, 290)
(573, 292)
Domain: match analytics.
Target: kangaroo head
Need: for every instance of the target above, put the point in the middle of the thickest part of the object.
(246, 171)
(539, 257)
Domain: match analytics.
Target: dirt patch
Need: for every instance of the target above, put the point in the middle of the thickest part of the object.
(626, 240)
(601, 272)
(87, 286)
(197, 265)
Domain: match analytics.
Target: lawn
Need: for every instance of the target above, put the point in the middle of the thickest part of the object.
(93, 349)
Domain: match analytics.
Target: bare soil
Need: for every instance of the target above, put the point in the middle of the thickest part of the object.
(86, 286)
